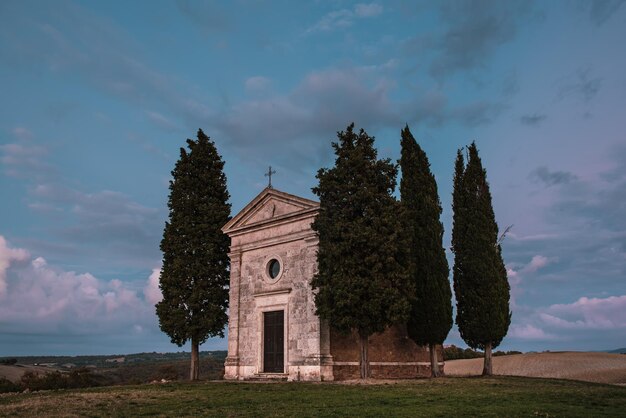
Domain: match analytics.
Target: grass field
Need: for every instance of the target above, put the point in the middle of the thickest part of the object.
(499, 396)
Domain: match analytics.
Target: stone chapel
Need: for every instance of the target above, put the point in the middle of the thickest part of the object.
(273, 331)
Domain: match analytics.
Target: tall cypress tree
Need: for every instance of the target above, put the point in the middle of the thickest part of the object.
(480, 281)
(194, 277)
(430, 319)
(360, 284)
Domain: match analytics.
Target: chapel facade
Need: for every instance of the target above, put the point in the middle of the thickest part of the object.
(273, 331)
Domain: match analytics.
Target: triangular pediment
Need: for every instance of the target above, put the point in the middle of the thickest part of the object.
(270, 205)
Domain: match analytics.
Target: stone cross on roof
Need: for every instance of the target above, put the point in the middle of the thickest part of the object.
(269, 174)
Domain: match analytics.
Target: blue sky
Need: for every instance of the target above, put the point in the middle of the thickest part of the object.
(98, 97)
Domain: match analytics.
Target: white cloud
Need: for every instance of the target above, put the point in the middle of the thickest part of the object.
(46, 299)
(152, 292)
(341, 19)
(161, 121)
(368, 10)
(22, 133)
(516, 275)
(515, 281)
(553, 321)
(534, 237)
(7, 256)
(537, 262)
(44, 293)
(529, 332)
(586, 324)
(128, 228)
(334, 20)
(24, 159)
(257, 83)
(588, 313)
(512, 274)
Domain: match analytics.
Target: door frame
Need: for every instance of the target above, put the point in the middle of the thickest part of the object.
(267, 302)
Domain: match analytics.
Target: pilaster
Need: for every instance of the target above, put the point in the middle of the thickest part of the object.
(231, 365)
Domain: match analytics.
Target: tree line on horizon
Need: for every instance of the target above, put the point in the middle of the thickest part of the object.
(393, 267)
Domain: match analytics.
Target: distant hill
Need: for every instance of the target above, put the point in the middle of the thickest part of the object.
(108, 361)
(617, 351)
(118, 368)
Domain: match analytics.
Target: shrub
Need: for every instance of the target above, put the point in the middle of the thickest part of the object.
(7, 386)
(34, 382)
(167, 372)
(455, 353)
(8, 361)
(506, 353)
(79, 378)
(83, 378)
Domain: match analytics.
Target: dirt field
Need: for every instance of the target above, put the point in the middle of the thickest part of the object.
(14, 373)
(589, 367)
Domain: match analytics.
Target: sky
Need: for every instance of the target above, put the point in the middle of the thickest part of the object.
(96, 99)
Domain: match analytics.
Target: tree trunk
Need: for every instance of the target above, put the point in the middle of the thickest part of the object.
(364, 364)
(195, 360)
(487, 370)
(434, 362)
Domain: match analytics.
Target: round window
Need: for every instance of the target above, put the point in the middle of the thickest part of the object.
(273, 268)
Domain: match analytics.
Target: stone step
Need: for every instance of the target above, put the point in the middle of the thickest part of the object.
(269, 376)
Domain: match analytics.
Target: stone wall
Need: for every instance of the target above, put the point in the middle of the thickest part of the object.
(392, 354)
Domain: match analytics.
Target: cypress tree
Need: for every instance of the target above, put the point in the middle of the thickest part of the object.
(194, 277)
(430, 319)
(360, 284)
(480, 281)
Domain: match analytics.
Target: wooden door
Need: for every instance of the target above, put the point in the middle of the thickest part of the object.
(273, 342)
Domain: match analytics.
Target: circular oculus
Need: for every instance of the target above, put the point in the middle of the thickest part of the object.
(273, 268)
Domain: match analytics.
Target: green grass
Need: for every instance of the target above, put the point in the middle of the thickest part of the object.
(499, 396)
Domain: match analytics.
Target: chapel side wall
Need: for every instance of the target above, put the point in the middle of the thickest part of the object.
(392, 354)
